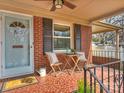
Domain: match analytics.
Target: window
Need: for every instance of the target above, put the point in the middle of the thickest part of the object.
(62, 37)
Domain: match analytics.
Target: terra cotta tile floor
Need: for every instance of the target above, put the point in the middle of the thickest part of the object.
(63, 83)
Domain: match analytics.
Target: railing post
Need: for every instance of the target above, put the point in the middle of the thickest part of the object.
(114, 78)
(108, 77)
(123, 76)
(119, 78)
(85, 79)
(90, 83)
(101, 89)
(94, 81)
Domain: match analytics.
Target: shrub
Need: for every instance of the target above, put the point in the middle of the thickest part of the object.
(81, 87)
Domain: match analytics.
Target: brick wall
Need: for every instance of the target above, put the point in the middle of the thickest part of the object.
(86, 40)
(38, 42)
(103, 60)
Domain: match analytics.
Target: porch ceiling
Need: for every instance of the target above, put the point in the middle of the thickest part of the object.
(98, 27)
(86, 10)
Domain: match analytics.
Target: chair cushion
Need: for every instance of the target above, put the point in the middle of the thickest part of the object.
(81, 56)
(52, 57)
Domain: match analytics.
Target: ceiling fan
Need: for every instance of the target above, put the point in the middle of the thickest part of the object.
(57, 4)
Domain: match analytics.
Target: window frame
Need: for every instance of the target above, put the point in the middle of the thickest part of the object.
(69, 37)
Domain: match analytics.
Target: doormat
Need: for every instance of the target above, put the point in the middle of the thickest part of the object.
(17, 83)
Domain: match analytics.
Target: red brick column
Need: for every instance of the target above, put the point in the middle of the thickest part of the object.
(86, 40)
(38, 42)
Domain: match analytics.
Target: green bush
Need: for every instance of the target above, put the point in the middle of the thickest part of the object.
(81, 87)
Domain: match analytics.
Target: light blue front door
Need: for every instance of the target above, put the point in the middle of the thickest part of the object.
(17, 46)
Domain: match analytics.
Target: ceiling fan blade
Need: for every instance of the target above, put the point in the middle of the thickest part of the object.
(68, 4)
(53, 8)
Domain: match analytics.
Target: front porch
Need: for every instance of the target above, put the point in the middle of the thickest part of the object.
(30, 28)
(65, 83)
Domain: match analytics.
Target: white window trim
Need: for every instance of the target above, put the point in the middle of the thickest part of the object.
(71, 36)
(61, 37)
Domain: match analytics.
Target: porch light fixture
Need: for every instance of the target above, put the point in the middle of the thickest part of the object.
(58, 4)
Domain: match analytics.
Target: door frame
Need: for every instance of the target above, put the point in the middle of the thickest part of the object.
(2, 65)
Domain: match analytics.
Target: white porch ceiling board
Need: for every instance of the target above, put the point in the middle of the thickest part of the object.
(98, 27)
(86, 9)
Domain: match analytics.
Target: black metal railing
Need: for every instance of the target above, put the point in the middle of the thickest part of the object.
(106, 78)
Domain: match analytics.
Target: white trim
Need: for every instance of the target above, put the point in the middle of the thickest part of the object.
(0, 44)
(20, 74)
(15, 13)
(60, 51)
(60, 37)
(3, 44)
(71, 34)
(32, 44)
(31, 67)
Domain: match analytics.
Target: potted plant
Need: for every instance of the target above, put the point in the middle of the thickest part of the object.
(73, 51)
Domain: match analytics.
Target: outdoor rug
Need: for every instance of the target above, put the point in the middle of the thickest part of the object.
(21, 82)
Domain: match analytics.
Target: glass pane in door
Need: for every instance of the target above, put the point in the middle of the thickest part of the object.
(17, 44)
